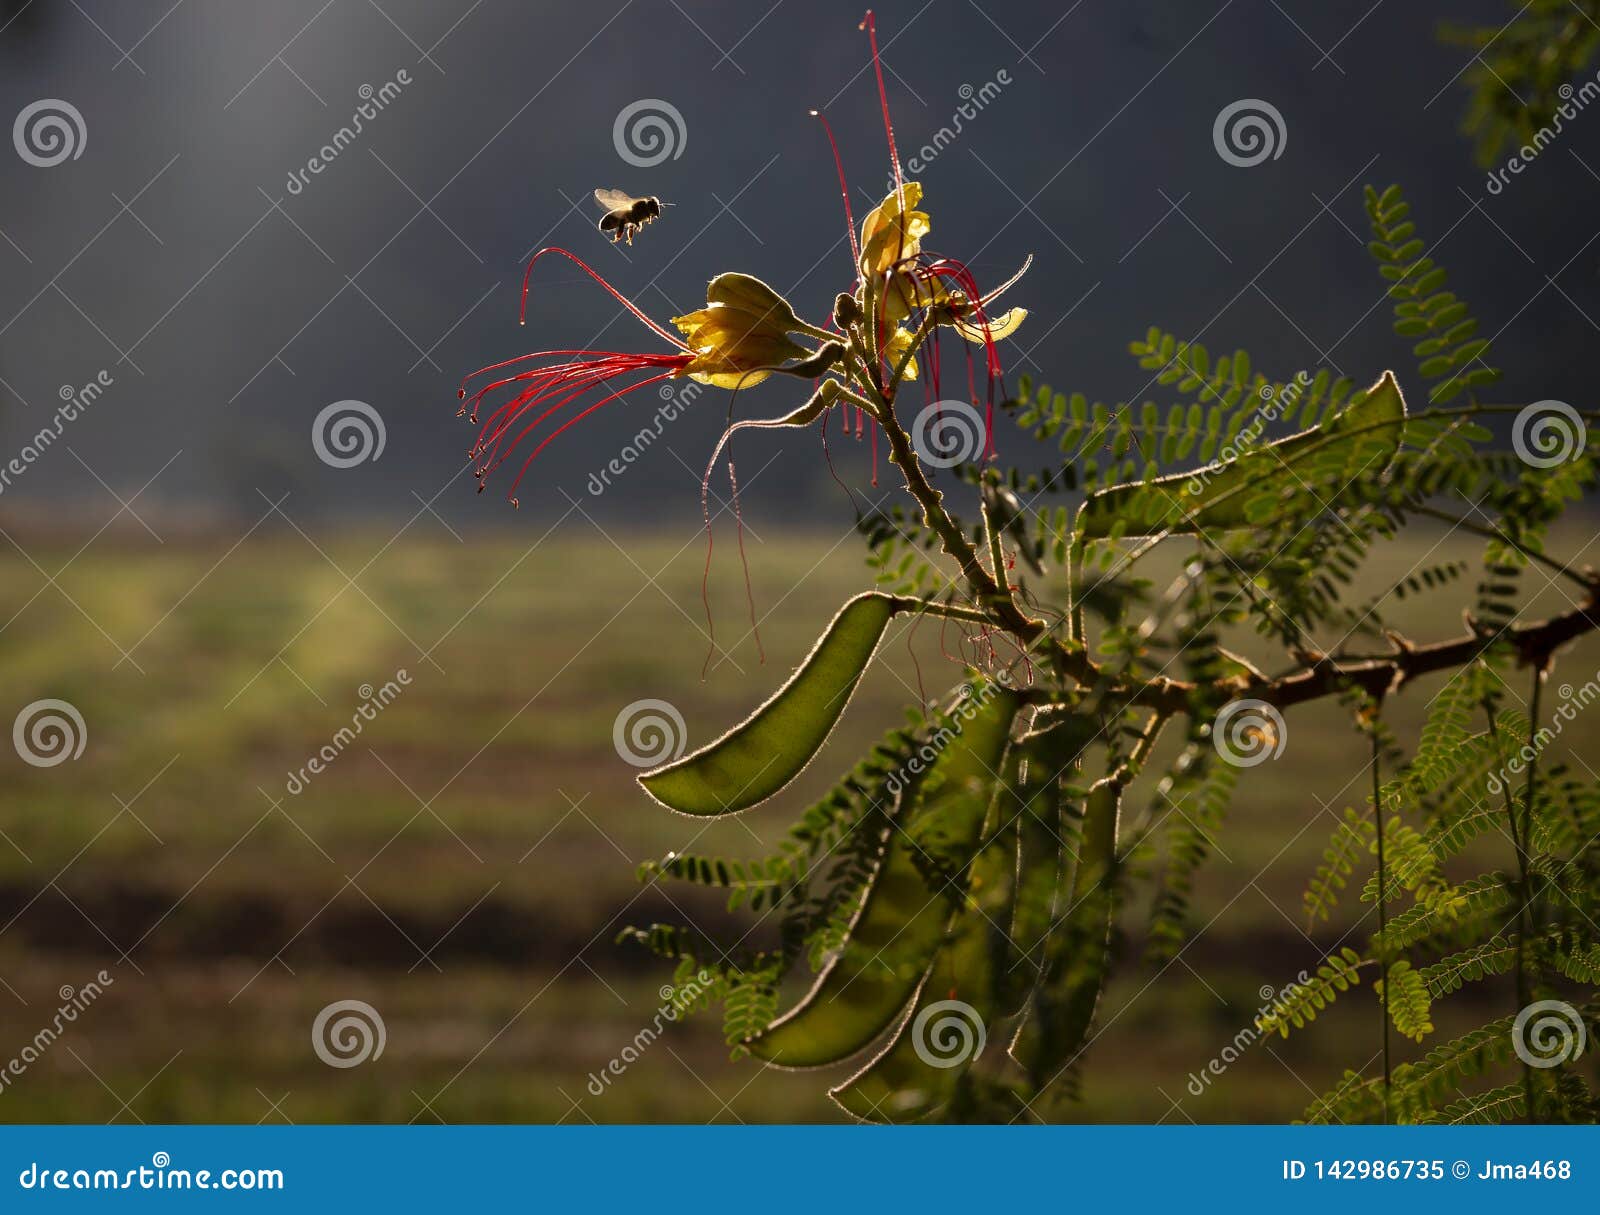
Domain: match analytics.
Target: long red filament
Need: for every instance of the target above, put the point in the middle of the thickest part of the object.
(523, 358)
(749, 594)
(573, 378)
(844, 190)
(871, 26)
(547, 390)
(522, 315)
(571, 422)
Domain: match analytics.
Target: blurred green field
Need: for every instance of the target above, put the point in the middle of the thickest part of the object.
(465, 864)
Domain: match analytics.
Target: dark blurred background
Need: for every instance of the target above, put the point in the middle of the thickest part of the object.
(213, 598)
(229, 311)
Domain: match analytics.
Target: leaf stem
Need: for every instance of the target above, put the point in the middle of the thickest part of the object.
(1494, 533)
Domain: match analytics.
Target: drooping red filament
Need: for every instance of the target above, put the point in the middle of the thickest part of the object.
(548, 390)
(749, 594)
(870, 24)
(542, 391)
(522, 316)
(844, 190)
(976, 317)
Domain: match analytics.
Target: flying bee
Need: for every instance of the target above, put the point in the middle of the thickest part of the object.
(626, 214)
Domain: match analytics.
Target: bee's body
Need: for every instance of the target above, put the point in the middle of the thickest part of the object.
(625, 215)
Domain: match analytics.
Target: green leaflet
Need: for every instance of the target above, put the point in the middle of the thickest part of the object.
(1359, 441)
(769, 748)
(902, 919)
(915, 1076)
(1077, 954)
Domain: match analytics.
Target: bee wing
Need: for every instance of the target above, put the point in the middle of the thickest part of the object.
(613, 200)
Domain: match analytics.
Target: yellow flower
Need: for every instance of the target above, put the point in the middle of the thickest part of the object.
(905, 291)
(892, 234)
(895, 349)
(999, 327)
(742, 333)
(893, 230)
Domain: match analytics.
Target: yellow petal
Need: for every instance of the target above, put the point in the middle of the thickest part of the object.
(746, 292)
(727, 379)
(893, 230)
(895, 349)
(903, 293)
(743, 338)
(998, 327)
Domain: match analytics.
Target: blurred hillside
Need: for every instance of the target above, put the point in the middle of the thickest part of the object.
(464, 864)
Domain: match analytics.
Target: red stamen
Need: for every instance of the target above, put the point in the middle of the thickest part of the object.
(705, 572)
(916, 664)
(749, 595)
(827, 456)
(844, 190)
(962, 277)
(523, 358)
(545, 391)
(550, 438)
(869, 23)
(522, 315)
